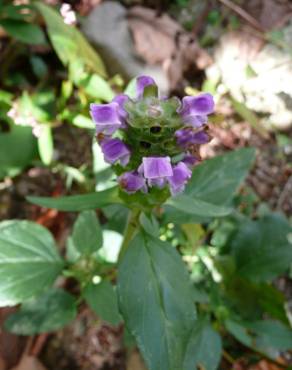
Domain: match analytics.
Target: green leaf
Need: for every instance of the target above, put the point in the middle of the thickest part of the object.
(102, 299)
(87, 234)
(261, 248)
(204, 348)
(22, 148)
(197, 207)
(239, 332)
(217, 179)
(79, 202)
(29, 261)
(149, 224)
(46, 144)
(23, 31)
(97, 87)
(48, 312)
(69, 43)
(271, 335)
(215, 182)
(150, 276)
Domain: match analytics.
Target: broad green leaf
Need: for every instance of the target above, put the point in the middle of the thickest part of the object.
(271, 335)
(48, 312)
(23, 31)
(265, 335)
(215, 182)
(68, 42)
(29, 261)
(102, 299)
(46, 144)
(261, 248)
(217, 179)
(239, 332)
(112, 242)
(155, 300)
(79, 202)
(204, 348)
(87, 233)
(197, 207)
(17, 149)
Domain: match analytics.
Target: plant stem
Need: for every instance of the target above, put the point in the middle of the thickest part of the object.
(130, 231)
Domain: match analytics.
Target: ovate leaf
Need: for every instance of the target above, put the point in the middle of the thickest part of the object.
(87, 233)
(204, 348)
(29, 261)
(48, 312)
(102, 299)
(214, 182)
(155, 300)
(261, 248)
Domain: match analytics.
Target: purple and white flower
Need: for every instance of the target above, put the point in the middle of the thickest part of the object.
(195, 109)
(115, 150)
(106, 117)
(156, 170)
(131, 182)
(181, 175)
(187, 137)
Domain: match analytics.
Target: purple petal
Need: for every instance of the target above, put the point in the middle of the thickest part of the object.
(106, 117)
(190, 160)
(156, 167)
(121, 99)
(187, 137)
(197, 105)
(142, 82)
(181, 175)
(115, 150)
(195, 121)
(132, 182)
(159, 183)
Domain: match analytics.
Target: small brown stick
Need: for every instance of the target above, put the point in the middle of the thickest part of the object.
(38, 345)
(243, 14)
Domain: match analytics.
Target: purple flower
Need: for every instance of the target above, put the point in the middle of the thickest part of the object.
(121, 99)
(200, 105)
(181, 175)
(106, 117)
(141, 83)
(194, 109)
(187, 137)
(156, 167)
(132, 182)
(115, 150)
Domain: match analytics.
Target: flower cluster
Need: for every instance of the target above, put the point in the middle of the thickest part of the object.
(152, 142)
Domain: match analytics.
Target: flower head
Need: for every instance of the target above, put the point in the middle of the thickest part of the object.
(153, 143)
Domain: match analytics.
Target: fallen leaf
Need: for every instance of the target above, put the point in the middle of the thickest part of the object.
(161, 40)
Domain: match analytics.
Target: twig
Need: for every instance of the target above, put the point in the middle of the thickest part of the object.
(243, 14)
(38, 345)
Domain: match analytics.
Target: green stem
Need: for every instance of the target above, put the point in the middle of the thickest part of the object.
(130, 231)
